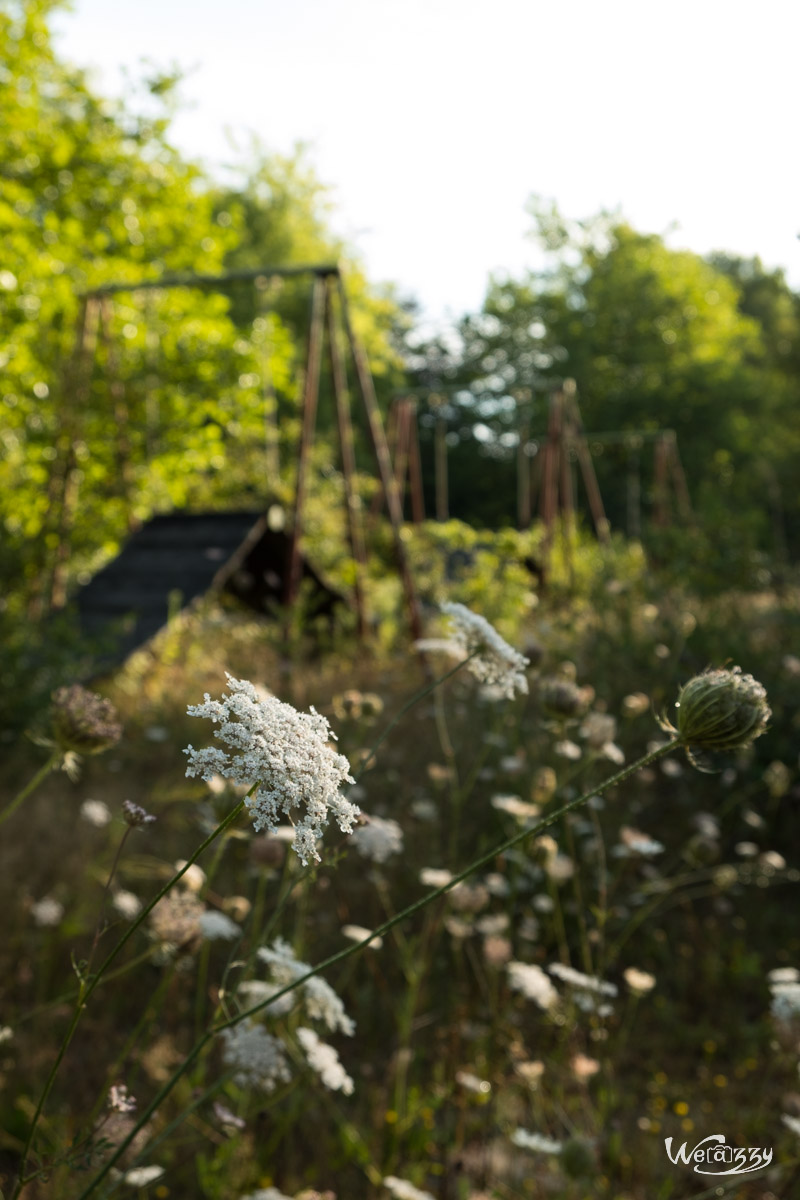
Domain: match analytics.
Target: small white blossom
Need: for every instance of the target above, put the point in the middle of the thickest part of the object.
(286, 753)
(496, 662)
(535, 1141)
(791, 1123)
(531, 980)
(321, 1002)
(516, 807)
(435, 877)
(323, 1059)
(640, 982)
(379, 838)
(216, 926)
(140, 1177)
(270, 1193)
(357, 933)
(784, 975)
(403, 1190)
(127, 904)
(585, 983)
(120, 1100)
(96, 813)
(785, 1000)
(257, 1058)
(193, 878)
(47, 912)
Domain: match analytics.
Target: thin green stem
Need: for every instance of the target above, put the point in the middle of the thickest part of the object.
(31, 786)
(338, 957)
(91, 984)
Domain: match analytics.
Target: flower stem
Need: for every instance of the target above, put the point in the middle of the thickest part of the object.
(31, 786)
(90, 984)
(484, 859)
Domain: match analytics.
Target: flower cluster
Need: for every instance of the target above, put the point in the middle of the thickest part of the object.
(284, 752)
(257, 1059)
(323, 1059)
(494, 661)
(378, 839)
(533, 983)
(321, 1002)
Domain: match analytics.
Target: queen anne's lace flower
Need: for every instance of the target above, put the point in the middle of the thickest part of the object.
(257, 1058)
(531, 980)
(216, 926)
(535, 1141)
(286, 753)
(584, 983)
(321, 1002)
(323, 1059)
(378, 839)
(403, 1190)
(495, 662)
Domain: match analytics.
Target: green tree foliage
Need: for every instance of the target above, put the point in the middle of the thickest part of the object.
(174, 413)
(655, 338)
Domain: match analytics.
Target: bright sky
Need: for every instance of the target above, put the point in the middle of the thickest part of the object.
(434, 120)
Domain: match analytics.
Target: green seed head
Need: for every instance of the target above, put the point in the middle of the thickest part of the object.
(721, 710)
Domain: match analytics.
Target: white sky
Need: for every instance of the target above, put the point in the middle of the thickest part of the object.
(435, 120)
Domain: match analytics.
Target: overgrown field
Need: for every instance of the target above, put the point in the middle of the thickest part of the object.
(537, 1031)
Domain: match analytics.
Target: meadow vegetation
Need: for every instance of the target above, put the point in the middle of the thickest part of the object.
(560, 930)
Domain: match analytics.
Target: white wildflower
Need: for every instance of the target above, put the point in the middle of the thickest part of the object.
(357, 933)
(784, 975)
(216, 926)
(598, 728)
(257, 1058)
(120, 1100)
(140, 1177)
(567, 749)
(533, 983)
(632, 842)
(448, 646)
(96, 813)
(785, 1000)
(193, 878)
(270, 1193)
(640, 982)
(286, 753)
(535, 1141)
(772, 860)
(473, 1083)
(559, 868)
(403, 1190)
(495, 662)
(47, 912)
(321, 1002)
(127, 904)
(584, 983)
(323, 1059)
(791, 1123)
(256, 991)
(435, 877)
(746, 849)
(228, 1119)
(6, 1034)
(516, 807)
(378, 839)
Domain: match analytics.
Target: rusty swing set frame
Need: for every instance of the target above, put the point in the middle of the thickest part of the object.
(330, 313)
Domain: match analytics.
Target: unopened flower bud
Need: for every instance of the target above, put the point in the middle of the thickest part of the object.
(561, 697)
(721, 710)
(135, 815)
(84, 723)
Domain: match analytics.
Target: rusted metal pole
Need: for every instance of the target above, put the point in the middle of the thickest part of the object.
(347, 446)
(381, 449)
(67, 485)
(440, 461)
(121, 412)
(415, 466)
(310, 398)
(587, 466)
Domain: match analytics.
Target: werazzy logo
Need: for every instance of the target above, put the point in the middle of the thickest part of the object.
(707, 1159)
